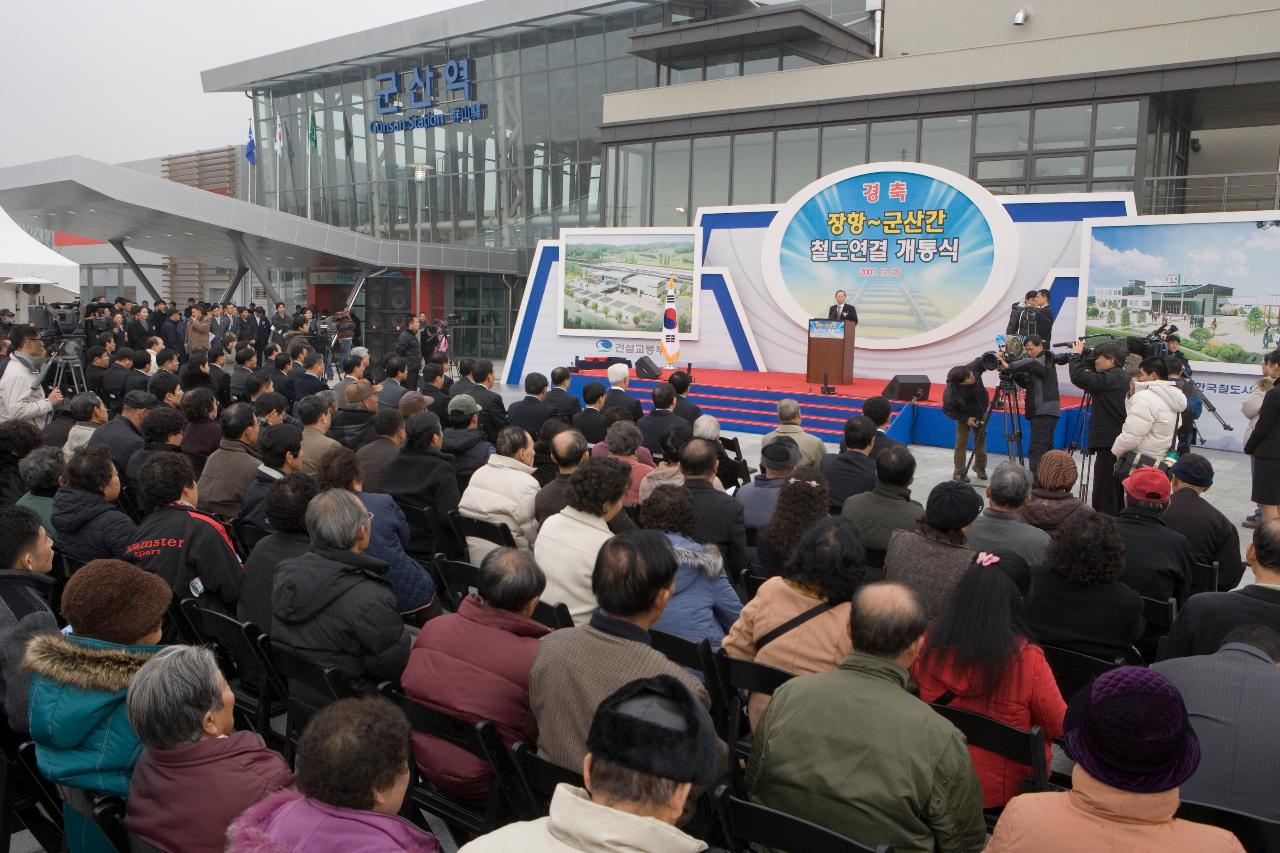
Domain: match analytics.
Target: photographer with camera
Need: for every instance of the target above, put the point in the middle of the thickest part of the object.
(1153, 414)
(1101, 374)
(1037, 372)
(965, 401)
(21, 396)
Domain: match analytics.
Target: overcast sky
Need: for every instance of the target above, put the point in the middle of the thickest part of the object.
(120, 80)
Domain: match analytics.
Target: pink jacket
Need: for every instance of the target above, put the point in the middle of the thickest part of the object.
(289, 822)
(1096, 818)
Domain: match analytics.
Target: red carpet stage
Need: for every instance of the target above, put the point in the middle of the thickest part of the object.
(747, 401)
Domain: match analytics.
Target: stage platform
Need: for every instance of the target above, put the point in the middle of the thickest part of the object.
(747, 401)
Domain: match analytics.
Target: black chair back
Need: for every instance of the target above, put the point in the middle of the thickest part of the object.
(732, 680)
(27, 799)
(540, 777)
(748, 825)
(1018, 745)
(1256, 834)
(458, 577)
(240, 662)
(427, 535)
(506, 793)
(554, 616)
(1073, 670)
(1204, 577)
(249, 535)
(64, 566)
(308, 687)
(492, 531)
(1159, 616)
(753, 584)
(678, 650)
(177, 626)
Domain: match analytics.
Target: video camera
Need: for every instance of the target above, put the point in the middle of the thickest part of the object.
(1154, 344)
(1012, 347)
(443, 324)
(61, 327)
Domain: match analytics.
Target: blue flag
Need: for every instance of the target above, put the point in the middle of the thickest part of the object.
(250, 149)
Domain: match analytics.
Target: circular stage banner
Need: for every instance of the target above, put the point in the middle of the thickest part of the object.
(920, 252)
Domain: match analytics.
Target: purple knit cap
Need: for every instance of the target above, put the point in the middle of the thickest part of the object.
(1129, 729)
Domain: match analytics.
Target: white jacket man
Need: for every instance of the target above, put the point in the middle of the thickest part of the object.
(21, 397)
(1153, 411)
(503, 491)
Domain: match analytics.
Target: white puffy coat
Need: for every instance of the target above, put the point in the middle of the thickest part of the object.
(1151, 419)
(501, 491)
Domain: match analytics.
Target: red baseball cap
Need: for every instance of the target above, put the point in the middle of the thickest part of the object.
(1148, 484)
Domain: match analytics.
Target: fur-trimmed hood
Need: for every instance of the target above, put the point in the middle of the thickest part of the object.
(705, 558)
(85, 664)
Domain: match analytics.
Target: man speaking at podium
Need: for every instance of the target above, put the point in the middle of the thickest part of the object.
(841, 310)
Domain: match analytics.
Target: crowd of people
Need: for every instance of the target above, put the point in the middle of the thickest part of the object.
(331, 514)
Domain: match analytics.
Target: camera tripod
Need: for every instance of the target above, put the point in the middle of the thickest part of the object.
(63, 367)
(1079, 441)
(1006, 400)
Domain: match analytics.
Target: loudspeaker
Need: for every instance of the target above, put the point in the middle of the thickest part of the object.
(907, 386)
(646, 369)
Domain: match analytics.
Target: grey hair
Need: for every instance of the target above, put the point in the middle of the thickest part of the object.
(1010, 485)
(42, 468)
(618, 374)
(706, 426)
(623, 438)
(360, 351)
(170, 695)
(84, 405)
(788, 411)
(335, 518)
(330, 398)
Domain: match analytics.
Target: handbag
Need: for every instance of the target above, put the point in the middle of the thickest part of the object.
(1133, 459)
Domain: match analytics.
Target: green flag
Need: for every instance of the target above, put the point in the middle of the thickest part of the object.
(311, 133)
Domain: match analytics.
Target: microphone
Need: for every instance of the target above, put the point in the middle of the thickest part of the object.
(1065, 344)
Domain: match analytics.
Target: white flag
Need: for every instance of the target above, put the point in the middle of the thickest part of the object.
(279, 135)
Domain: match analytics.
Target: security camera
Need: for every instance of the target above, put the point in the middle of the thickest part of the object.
(1195, 144)
(1021, 16)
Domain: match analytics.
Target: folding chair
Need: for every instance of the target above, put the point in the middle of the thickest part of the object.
(465, 818)
(1256, 834)
(427, 536)
(491, 531)
(308, 688)
(107, 811)
(27, 799)
(458, 579)
(1158, 616)
(248, 534)
(178, 628)
(540, 778)
(753, 584)
(732, 677)
(240, 664)
(1017, 745)
(748, 825)
(1204, 577)
(554, 616)
(686, 653)
(1073, 670)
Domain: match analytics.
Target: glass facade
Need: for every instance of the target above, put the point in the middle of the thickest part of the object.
(1052, 149)
(532, 164)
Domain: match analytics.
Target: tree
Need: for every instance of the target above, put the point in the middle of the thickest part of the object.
(1201, 336)
(1232, 352)
(1125, 317)
(1093, 312)
(1255, 322)
(644, 319)
(1111, 317)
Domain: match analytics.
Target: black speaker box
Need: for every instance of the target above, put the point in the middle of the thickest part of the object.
(907, 386)
(646, 369)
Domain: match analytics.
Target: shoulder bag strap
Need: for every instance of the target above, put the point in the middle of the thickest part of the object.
(792, 623)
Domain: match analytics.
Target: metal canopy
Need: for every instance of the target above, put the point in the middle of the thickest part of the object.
(112, 203)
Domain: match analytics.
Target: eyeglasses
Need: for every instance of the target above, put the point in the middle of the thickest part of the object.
(370, 516)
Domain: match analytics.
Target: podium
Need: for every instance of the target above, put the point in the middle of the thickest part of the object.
(831, 351)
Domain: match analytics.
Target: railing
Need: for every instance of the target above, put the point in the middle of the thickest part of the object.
(1211, 193)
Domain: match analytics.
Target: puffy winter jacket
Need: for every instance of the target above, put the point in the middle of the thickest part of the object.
(337, 609)
(388, 542)
(705, 605)
(1251, 405)
(469, 450)
(192, 553)
(1152, 419)
(503, 492)
(89, 528)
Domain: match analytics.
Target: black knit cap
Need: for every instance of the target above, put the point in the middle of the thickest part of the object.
(952, 505)
(656, 726)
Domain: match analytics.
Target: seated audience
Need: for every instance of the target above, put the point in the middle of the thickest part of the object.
(1208, 617)
(474, 665)
(43, 471)
(727, 468)
(334, 605)
(1157, 558)
(590, 420)
(623, 440)
(197, 773)
(352, 774)
(17, 439)
(78, 681)
(89, 413)
(880, 410)
(423, 476)
(352, 426)
(1077, 601)
(463, 441)
(502, 491)
(203, 432)
(797, 622)
(979, 656)
(662, 418)
(26, 558)
(185, 547)
(316, 415)
(1051, 504)
(231, 468)
(388, 437)
(84, 511)
(802, 503)
(611, 416)
(1133, 746)
(812, 448)
(122, 435)
(569, 542)
(162, 428)
(719, 517)
(887, 507)
(999, 529)
(284, 512)
(544, 464)
(851, 471)
(532, 412)
(705, 605)
(413, 587)
(648, 746)
(1228, 695)
(667, 472)
(619, 379)
(280, 447)
(564, 404)
(568, 450)
(578, 668)
(1211, 536)
(931, 558)
(778, 461)
(915, 786)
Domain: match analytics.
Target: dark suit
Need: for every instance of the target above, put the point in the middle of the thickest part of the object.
(531, 413)
(138, 333)
(590, 422)
(389, 396)
(282, 383)
(374, 458)
(309, 384)
(655, 425)
(881, 443)
(565, 404)
(113, 385)
(439, 405)
(687, 410)
(1208, 618)
(842, 312)
(849, 473)
(493, 414)
(221, 382)
(719, 521)
(136, 381)
(93, 378)
(239, 377)
(618, 397)
(462, 386)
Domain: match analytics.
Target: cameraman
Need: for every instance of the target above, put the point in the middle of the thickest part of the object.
(1022, 316)
(1037, 372)
(1176, 354)
(1109, 384)
(1195, 402)
(965, 401)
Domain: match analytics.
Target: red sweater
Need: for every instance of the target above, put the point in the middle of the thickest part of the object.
(1027, 697)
